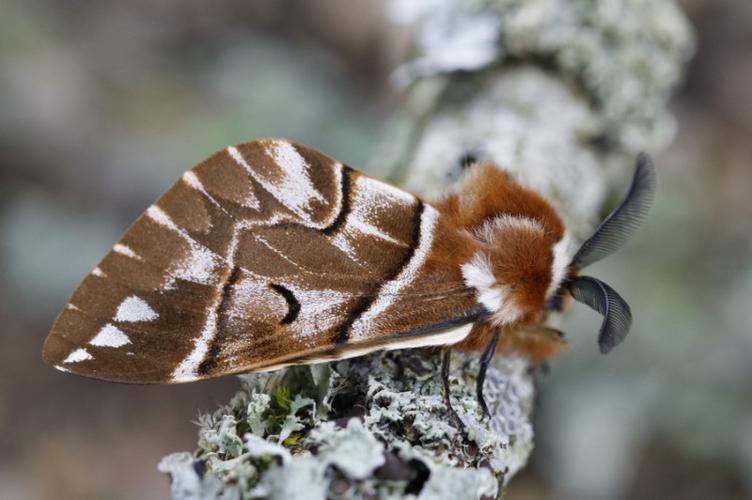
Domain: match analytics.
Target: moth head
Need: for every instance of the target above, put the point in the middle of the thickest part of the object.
(523, 269)
(608, 237)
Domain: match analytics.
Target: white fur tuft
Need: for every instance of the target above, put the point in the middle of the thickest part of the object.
(477, 274)
(518, 222)
(562, 257)
(492, 295)
(493, 228)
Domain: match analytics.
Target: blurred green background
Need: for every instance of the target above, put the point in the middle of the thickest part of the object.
(104, 104)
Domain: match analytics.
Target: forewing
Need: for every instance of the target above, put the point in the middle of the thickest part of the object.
(265, 254)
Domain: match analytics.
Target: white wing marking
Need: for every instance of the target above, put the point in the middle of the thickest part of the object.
(135, 309)
(186, 370)
(79, 354)
(255, 295)
(192, 180)
(342, 241)
(263, 241)
(370, 196)
(448, 337)
(110, 336)
(200, 266)
(364, 324)
(125, 250)
(318, 309)
(397, 195)
(295, 189)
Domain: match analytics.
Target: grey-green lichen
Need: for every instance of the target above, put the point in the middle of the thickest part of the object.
(374, 428)
(527, 121)
(562, 93)
(625, 55)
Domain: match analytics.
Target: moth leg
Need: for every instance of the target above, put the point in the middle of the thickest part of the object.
(445, 362)
(485, 360)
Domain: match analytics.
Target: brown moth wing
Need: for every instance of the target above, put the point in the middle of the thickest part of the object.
(267, 253)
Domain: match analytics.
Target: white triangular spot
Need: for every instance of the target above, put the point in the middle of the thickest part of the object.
(78, 355)
(98, 273)
(110, 336)
(135, 309)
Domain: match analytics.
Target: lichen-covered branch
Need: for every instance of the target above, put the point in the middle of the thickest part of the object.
(561, 93)
(374, 426)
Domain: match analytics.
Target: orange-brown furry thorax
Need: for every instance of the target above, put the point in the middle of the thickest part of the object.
(510, 231)
(486, 191)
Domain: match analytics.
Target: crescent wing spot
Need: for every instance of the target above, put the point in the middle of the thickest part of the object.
(293, 306)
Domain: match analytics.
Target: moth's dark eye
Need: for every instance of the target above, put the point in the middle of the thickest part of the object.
(602, 142)
(467, 159)
(470, 155)
(556, 301)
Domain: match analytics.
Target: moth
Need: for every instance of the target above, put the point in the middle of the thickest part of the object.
(270, 254)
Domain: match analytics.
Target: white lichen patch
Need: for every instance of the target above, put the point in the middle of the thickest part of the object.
(627, 55)
(354, 450)
(188, 482)
(588, 88)
(529, 123)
